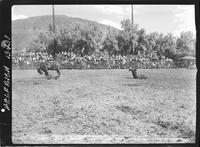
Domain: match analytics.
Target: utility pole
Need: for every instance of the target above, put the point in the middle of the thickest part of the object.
(54, 30)
(53, 19)
(132, 28)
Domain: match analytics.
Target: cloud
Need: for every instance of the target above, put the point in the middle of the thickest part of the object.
(114, 14)
(110, 9)
(120, 11)
(15, 17)
(185, 17)
(110, 23)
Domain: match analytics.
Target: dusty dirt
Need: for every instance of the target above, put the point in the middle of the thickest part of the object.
(104, 106)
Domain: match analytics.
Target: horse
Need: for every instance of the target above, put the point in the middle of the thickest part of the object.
(134, 72)
(45, 66)
(135, 75)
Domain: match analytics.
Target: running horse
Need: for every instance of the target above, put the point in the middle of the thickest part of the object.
(44, 66)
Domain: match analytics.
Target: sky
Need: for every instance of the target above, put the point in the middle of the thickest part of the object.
(153, 18)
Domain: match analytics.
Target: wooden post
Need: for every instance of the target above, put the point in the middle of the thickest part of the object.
(53, 20)
(132, 29)
(54, 31)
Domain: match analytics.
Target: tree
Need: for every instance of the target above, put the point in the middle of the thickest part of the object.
(52, 47)
(123, 46)
(66, 41)
(40, 43)
(128, 37)
(169, 46)
(151, 45)
(110, 45)
(186, 43)
(85, 43)
(159, 45)
(45, 42)
(141, 47)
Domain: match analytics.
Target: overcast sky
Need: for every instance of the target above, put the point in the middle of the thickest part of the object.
(160, 18)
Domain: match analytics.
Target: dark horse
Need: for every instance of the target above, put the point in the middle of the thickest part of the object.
(135, 75)
(134, 72)
(45, 66)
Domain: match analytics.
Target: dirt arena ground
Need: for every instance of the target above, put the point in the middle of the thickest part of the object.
(104, 106)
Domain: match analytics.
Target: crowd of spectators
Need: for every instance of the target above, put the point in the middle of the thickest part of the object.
(98, 61)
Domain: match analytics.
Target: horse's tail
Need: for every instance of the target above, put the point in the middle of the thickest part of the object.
(39, 71)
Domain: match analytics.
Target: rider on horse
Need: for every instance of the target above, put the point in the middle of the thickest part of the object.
(48, 64)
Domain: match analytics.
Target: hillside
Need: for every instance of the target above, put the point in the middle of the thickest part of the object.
(24, 31)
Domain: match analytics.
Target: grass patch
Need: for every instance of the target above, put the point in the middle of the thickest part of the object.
(106, 102)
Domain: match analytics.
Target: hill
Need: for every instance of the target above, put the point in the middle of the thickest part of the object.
(24, 31)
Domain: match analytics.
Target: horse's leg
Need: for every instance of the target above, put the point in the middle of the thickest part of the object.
(57, 70)
(46, 72)
(56, 77)
(39, 71)
(134, 74)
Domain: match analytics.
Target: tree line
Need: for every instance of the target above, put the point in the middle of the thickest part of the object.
(82, 40)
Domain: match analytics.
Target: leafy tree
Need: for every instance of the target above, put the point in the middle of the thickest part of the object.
(128, 37)
(85, 44)
(186, 43)
(168, 46)
(159, 45)
(45, 42)
(52, 47)
(66, 42)
(141, 47)
(110, 45)
(90, 39)
(40, 43)
(151, 44)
